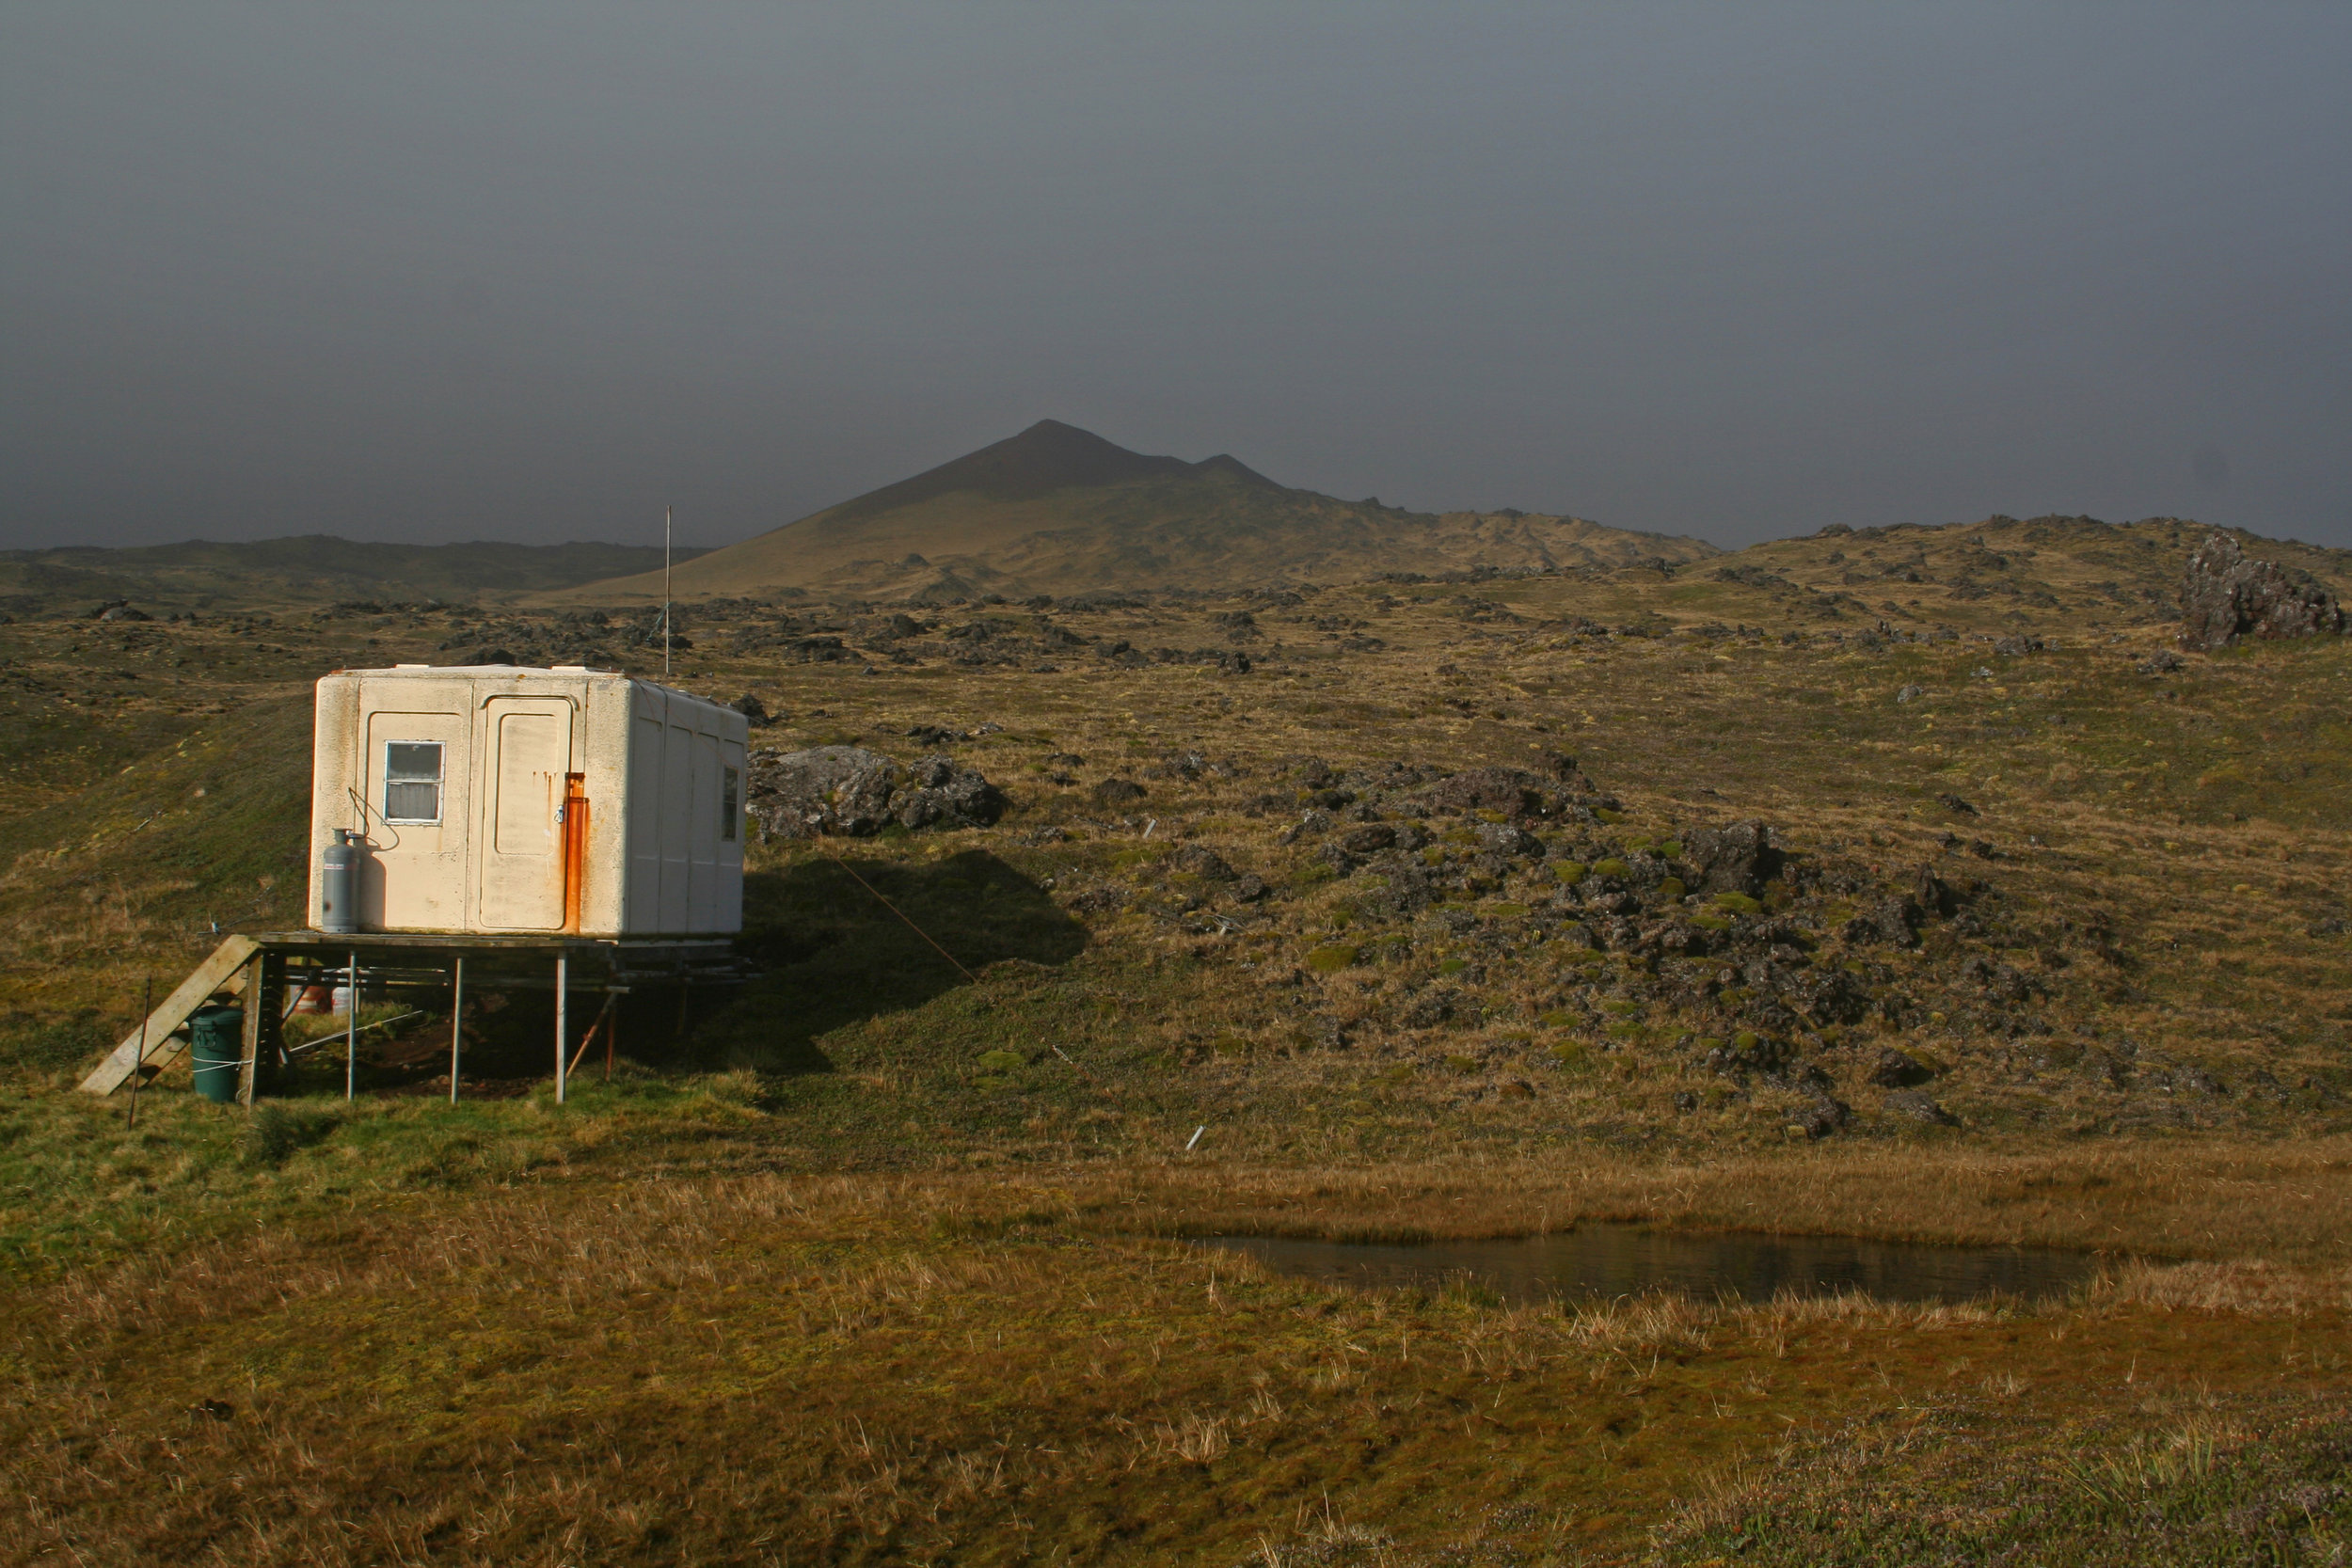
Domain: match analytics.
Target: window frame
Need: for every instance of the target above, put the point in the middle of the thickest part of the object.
(730, 802)
(440, 782)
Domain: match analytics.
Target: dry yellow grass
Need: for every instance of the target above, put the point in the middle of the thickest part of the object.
(865, 1299)
(777, 1368)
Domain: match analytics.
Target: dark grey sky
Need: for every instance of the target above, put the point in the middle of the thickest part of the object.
(526, 272)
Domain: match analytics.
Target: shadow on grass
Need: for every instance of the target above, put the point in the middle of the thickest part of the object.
(836, 955)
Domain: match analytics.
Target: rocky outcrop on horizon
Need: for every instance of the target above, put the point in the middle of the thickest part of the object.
(2227, 594)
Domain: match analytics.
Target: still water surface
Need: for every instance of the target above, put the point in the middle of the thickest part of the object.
(1609, 1261)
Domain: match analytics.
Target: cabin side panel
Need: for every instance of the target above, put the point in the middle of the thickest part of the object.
(677, 816)
(702, 822)
(733, 825)
(334, 771)
(645, 723)
(605, 761)
(685, 760)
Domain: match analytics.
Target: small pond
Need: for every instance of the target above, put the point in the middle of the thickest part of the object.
(1605, 1262)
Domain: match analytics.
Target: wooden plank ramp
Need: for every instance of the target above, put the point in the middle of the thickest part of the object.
(213, 974)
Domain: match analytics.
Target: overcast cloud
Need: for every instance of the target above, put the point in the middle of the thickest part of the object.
(506, 271)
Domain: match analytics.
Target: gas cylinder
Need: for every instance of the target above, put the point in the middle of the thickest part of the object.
(339, 882)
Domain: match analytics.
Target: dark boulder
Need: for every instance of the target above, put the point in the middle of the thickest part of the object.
(1829, 996)
(1740, 858)
(1819, 1119)
(1201, 860)
(1513, 791)
(947, 794)
(1307, 826)
(2226, 595)
(849, 792)
(1336, 856)
(1369, 839)
(1504, 838)
(1934, 896)
(1891, 920)
(838, 791)
(1102, 898)
(1117, 792)
(1748, 1051)
(1410, 891)
(1673, 939)
(1897, 1070)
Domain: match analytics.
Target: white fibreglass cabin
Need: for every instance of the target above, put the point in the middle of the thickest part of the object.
(501, 800)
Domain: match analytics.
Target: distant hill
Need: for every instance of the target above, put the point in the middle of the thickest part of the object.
(2016, 568)
(1057, 510)
(312, 569)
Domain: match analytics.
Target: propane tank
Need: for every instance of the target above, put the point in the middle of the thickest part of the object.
(339, 882)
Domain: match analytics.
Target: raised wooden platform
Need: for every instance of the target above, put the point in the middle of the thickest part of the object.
(649, 961)
(255, 966)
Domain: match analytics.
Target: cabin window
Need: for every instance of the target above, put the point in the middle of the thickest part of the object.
(412, 781)
(730, 802)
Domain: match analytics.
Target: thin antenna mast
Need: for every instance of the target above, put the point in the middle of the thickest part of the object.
(665, 593)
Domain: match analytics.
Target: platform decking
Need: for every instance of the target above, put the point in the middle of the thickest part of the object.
(255, 964)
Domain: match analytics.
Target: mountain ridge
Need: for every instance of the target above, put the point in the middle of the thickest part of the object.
(1055, 509)
(311, 568)
(1048, 457)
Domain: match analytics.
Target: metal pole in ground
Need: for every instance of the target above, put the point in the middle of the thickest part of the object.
(457, 1025)
(257, 1000)
(138, 1063)
(351, 1032)
(613, 1027)
(562, 1022)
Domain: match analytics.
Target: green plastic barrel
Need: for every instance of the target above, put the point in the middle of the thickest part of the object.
(216, 1047)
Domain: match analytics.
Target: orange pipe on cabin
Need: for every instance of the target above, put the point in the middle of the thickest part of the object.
(574, 845)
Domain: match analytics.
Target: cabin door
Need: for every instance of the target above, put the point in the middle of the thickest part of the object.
(527, 750)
